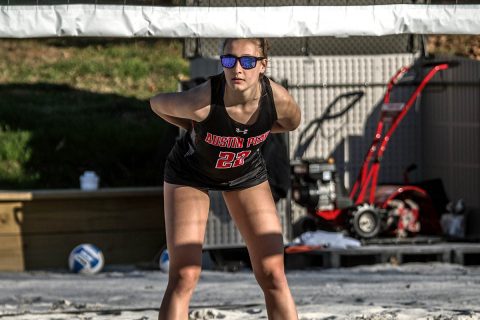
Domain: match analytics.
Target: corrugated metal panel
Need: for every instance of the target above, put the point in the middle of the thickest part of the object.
(221, 230)
(348, 138)
(220, 227)
(451, 135)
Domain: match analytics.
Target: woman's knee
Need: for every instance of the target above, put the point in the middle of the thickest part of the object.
(271, 277)
(184, 280)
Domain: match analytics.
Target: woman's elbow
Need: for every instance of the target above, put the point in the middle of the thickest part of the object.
(285, 125)
(154, 104)
(294, 122)
(158, 106)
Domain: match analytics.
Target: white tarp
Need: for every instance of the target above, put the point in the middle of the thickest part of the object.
(286, 21)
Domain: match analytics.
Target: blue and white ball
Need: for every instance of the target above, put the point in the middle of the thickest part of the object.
(86, 258)
(164, 261)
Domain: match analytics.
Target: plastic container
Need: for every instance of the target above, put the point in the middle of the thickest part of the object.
(89, 180)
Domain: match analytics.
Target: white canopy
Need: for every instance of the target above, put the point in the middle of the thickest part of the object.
(219, 22)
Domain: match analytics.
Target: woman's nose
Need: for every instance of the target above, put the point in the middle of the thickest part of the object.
(237, 67)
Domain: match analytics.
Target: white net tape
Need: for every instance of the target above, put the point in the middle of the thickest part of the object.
(285, 21)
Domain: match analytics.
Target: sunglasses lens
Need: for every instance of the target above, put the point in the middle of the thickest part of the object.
(228, 61)
(248, 62)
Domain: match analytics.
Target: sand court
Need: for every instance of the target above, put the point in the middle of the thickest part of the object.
(382, 291)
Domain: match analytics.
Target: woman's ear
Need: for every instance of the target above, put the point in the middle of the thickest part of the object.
(263, 66)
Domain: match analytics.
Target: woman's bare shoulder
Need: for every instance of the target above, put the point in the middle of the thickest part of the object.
(280, 94)
(288, 111)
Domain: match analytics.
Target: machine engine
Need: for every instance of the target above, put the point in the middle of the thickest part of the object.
(315, 185)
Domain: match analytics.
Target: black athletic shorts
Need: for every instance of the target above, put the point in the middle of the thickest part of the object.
(181, 173)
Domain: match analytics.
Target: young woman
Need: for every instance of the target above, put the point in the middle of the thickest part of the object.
(228, 118)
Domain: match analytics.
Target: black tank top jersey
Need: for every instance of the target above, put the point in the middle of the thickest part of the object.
(220, 153)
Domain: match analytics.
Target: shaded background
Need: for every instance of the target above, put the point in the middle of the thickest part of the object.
(72, 105)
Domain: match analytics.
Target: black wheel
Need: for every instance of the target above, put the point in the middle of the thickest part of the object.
(304, 224)
(365, 222)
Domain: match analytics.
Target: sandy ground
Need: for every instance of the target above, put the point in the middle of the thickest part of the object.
(382, 292)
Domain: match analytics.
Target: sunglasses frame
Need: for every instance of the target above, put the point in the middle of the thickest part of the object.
(239, 59)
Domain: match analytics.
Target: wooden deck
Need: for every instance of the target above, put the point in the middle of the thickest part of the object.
(38, 229)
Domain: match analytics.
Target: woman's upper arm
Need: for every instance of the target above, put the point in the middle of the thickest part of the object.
(191, 104)
(288, 111)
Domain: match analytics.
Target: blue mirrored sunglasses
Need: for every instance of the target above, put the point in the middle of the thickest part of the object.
(247, 62)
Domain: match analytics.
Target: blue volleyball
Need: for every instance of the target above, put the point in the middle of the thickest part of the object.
(164, 261)
(86, 258)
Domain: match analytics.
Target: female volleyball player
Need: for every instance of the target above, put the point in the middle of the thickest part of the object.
(228, 118)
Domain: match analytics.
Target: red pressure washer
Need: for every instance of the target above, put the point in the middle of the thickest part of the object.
(369, 210)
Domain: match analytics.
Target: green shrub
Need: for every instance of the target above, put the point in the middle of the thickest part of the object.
(14, 155)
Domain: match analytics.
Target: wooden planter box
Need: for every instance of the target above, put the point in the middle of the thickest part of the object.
(38, 229)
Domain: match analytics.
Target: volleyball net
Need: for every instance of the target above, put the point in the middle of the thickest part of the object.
(36, 19)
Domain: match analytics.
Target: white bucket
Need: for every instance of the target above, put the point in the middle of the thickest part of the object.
(89, 181)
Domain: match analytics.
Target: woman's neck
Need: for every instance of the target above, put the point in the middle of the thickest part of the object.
(232, 97)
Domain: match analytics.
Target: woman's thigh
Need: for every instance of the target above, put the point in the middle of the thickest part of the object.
(186, 212)
(255, 215)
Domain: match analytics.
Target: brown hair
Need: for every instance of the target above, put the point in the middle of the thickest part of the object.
(261, 42)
